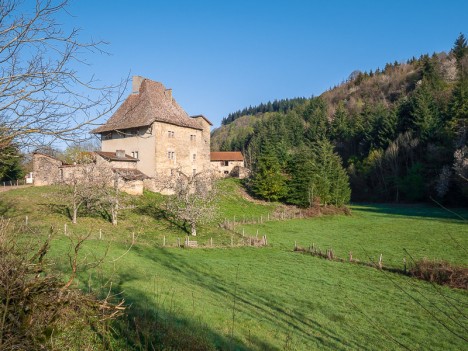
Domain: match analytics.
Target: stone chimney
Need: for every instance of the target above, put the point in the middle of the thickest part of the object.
(168, 94)
(120, 153)
(136, 83)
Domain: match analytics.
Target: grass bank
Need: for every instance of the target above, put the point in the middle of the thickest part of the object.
(272, 298)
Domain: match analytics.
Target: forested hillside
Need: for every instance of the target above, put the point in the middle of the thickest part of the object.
(400, 133)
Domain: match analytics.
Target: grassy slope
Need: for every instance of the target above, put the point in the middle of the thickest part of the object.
(285, 300)
(378, 229)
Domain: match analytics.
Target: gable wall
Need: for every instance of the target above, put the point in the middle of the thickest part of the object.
(183, 146)
(46, 170)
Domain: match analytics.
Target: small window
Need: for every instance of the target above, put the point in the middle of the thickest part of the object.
(226, 172)
(194, 157)
(194, 171)
(135, 154)
(193, 137)
(226, 163)
(171, 155)
(106, 136)
(170, 134)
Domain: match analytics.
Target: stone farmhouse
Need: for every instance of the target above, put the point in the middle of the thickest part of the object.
(152, 128)
(149, 136)
(228, 163)
(118, 167)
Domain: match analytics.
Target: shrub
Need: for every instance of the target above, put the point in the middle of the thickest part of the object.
(441, 272)
(39, 311)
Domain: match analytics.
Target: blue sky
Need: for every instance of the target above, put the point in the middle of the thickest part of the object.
(221, 56)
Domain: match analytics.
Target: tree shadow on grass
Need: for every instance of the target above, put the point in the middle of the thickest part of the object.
(149, 325)
(158, 213)
(252, 304)
(414, 210)
(60, 209)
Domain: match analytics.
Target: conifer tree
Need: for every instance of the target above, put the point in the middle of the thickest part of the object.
(315, 115)
(268, 182)
(459, 103)
(316, 174)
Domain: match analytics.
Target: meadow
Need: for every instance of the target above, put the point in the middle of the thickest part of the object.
(269, 298)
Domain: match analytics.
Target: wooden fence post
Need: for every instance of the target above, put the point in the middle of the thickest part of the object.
(295, 245)
(164, 240)
(178, 242)
(380, 261)
(26, 220)
(350, 256)
(100, 234)
(211, 241)
(65, 229)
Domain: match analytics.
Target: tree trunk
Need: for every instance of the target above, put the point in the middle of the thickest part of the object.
(114, 212)
(75, 211)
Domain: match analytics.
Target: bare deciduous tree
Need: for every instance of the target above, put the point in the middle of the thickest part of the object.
(85, 184)
(42, 95)
(193, 199)
(460, 163)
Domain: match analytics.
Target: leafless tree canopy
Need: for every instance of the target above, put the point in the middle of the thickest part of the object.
(85, 184)
(193, 199)
(42, 95)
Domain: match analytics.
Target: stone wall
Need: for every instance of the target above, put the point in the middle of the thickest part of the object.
(229, 170)
(184, 149)
(46, 169)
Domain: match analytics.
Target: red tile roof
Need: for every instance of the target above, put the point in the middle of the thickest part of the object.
(226, 156)
(152, 103)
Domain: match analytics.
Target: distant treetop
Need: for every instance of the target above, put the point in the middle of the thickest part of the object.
(282, 105)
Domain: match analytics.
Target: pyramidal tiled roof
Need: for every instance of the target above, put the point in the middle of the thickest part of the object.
(152, 103)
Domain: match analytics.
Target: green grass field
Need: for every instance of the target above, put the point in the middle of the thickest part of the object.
(273, 298)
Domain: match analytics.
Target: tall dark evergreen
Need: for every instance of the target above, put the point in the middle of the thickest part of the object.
(459, 103)
(10, 163)
(316, 117)
(317, 176)
(267, 181)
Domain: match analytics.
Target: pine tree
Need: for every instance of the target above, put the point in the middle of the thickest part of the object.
(10, 163)
(459, 103)
(316, 116)
(340, 129)
(268, 182)
(316, 174)
(424, 112)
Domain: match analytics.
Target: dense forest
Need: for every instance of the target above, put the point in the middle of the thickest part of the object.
(283, 105)
(399, 132)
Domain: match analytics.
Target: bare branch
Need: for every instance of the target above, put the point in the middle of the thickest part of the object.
(41, 92)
